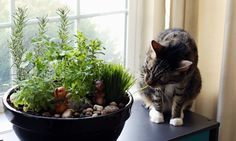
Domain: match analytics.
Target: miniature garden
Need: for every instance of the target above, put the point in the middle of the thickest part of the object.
(63, 77)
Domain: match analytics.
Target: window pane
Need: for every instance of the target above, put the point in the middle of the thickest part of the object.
(4, 60)
(52, 31)
(37, 8)
(4, 10)
(110, 30)
(96, 6)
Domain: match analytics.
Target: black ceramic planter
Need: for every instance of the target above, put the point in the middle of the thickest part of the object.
(37, 128)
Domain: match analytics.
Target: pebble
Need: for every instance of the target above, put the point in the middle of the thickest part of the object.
(76, 114)
(95, 115)
(68, 113)
(88, 114)
(84, 111)
(57, 115)
(97, 112)
(89, 110)
(97, 107)
(109, 109)
(46, 114)
(113, 103)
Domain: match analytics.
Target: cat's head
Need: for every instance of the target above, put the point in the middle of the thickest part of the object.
(166, 64)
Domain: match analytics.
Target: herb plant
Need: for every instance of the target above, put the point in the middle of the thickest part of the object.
(71, 63)
(16, 46)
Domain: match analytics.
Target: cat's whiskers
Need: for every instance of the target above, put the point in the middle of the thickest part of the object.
(141, 89)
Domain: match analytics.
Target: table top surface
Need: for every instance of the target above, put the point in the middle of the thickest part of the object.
(139, 128)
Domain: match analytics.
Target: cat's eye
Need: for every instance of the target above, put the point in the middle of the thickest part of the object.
(175, 73)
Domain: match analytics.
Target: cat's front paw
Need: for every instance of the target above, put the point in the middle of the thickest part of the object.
(176, 121)
(156, 116)
(147, 105)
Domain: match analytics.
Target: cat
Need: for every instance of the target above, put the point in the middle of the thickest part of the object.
(171, 73)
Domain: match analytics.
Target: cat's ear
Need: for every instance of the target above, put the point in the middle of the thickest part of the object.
(184, 65)
(156, 46)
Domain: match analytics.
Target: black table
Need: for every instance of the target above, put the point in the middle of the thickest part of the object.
(139, 128)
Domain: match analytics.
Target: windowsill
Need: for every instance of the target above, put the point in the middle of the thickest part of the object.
(5, 125)
(1, 105)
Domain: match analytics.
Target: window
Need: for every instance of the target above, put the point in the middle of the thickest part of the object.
(102, 19)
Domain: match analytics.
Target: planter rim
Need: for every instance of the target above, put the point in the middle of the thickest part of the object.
(9, 107)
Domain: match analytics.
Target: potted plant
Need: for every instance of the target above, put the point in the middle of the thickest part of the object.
(63, 90)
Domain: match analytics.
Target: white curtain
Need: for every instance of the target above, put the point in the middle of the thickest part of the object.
(226, 114)
(147, 22)
(213, 26)
(153, 22)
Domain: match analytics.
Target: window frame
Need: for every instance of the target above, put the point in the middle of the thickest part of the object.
(132, 33)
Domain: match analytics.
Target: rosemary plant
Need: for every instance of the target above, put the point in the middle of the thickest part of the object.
(16, 46)
(40, 39)
(63, 27)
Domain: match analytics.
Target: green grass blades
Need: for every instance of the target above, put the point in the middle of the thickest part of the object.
(117, 81)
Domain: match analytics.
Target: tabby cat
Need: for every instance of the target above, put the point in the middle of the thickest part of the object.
(171, 73)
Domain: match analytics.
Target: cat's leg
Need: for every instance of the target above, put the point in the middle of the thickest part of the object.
(177, 111)
(147, 102)
(146, 95)
(156, 111)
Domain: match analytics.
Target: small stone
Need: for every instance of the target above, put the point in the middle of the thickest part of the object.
(89, 110)
(98, 107)
(113, 103)
(121, 105)
(46, 114)
(57, 115)
(95, 115)
(109, 109)
(88, 114)
(97, 112)
(103, 112)
(84, 111)
(68, 113)
(76, 114)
